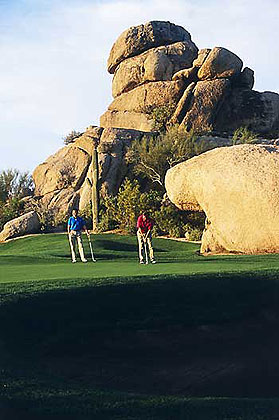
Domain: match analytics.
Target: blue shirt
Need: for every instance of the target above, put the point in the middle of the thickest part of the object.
(76, 223)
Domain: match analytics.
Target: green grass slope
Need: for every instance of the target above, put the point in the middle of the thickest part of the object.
(191, 337)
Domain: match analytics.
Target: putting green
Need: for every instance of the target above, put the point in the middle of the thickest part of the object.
(46, 257)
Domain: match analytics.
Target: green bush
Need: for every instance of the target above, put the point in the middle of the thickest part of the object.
(123, 210)
(14, 185)
(9, 210)
(161, 115)
(193, 233)
(243, 135)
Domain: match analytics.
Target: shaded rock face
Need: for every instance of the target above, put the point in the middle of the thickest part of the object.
(238, 189)
(23, 225)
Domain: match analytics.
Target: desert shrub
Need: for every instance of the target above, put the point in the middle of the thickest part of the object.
(86, 214)
(14, 185)
(192, 233)
(10, 209)
(123, 210)
(170, 221)
(71, 137)
(161, 115)
(108, 211)
(243, 135)
(151, 157)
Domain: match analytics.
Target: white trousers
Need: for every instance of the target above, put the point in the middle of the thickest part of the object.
(149, 243)
(74, 239)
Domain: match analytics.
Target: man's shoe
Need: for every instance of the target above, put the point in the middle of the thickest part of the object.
(141, 262)
(153, 261)
(84, 261)
(74, 261)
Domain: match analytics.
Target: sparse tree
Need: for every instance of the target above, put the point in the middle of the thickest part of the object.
(153, 156)
(71, 137)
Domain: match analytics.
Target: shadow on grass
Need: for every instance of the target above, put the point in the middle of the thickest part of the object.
(149, 302)
(159, 335)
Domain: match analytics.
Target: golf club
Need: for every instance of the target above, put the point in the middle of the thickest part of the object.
(145, 250)
(91, 249)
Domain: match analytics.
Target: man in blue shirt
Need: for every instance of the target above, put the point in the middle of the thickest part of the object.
(76, 225)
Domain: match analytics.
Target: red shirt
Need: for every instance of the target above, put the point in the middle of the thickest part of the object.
(145, 225)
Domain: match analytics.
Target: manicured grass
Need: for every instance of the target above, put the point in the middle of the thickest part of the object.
(46, 257)
(182, 339)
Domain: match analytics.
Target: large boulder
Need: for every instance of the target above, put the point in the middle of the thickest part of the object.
(65, 168)
(202, 55)
(207, 99)
(23, 225)
(132, 110)
(238, 189)
(245, 79)
(60, 179)
(138, 39)
(153, 65)
(220, 63)
(148, 96)
(125, 119)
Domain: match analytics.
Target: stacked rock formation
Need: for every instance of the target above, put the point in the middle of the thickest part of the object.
(143, 60)
(238, 189)
(157, 64)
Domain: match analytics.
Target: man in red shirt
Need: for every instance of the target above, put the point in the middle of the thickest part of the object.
(144, 229)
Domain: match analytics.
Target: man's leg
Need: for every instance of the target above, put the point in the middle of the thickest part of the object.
(80, 248)
(151, 252)
(140, 242)
(72, 241)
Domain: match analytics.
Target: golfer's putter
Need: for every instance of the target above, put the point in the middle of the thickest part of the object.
(145, 250)
(91, 249)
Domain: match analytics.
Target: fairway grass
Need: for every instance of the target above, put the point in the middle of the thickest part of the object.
(191, 337)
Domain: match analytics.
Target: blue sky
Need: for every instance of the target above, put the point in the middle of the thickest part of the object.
(53, 53)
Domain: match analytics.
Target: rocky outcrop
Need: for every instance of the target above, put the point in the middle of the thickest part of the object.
(245, 107)
(157, 64)
(122, 119)
(23, 225)
(144, 60)
(64, 180)
(138, 39)
(211, 95)
(133, 109)
(220, 63)
(238, 189)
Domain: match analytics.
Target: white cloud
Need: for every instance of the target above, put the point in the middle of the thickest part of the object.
(53, 74)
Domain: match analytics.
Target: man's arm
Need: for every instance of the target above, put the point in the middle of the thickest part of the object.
(147, 234)
(68, 227)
